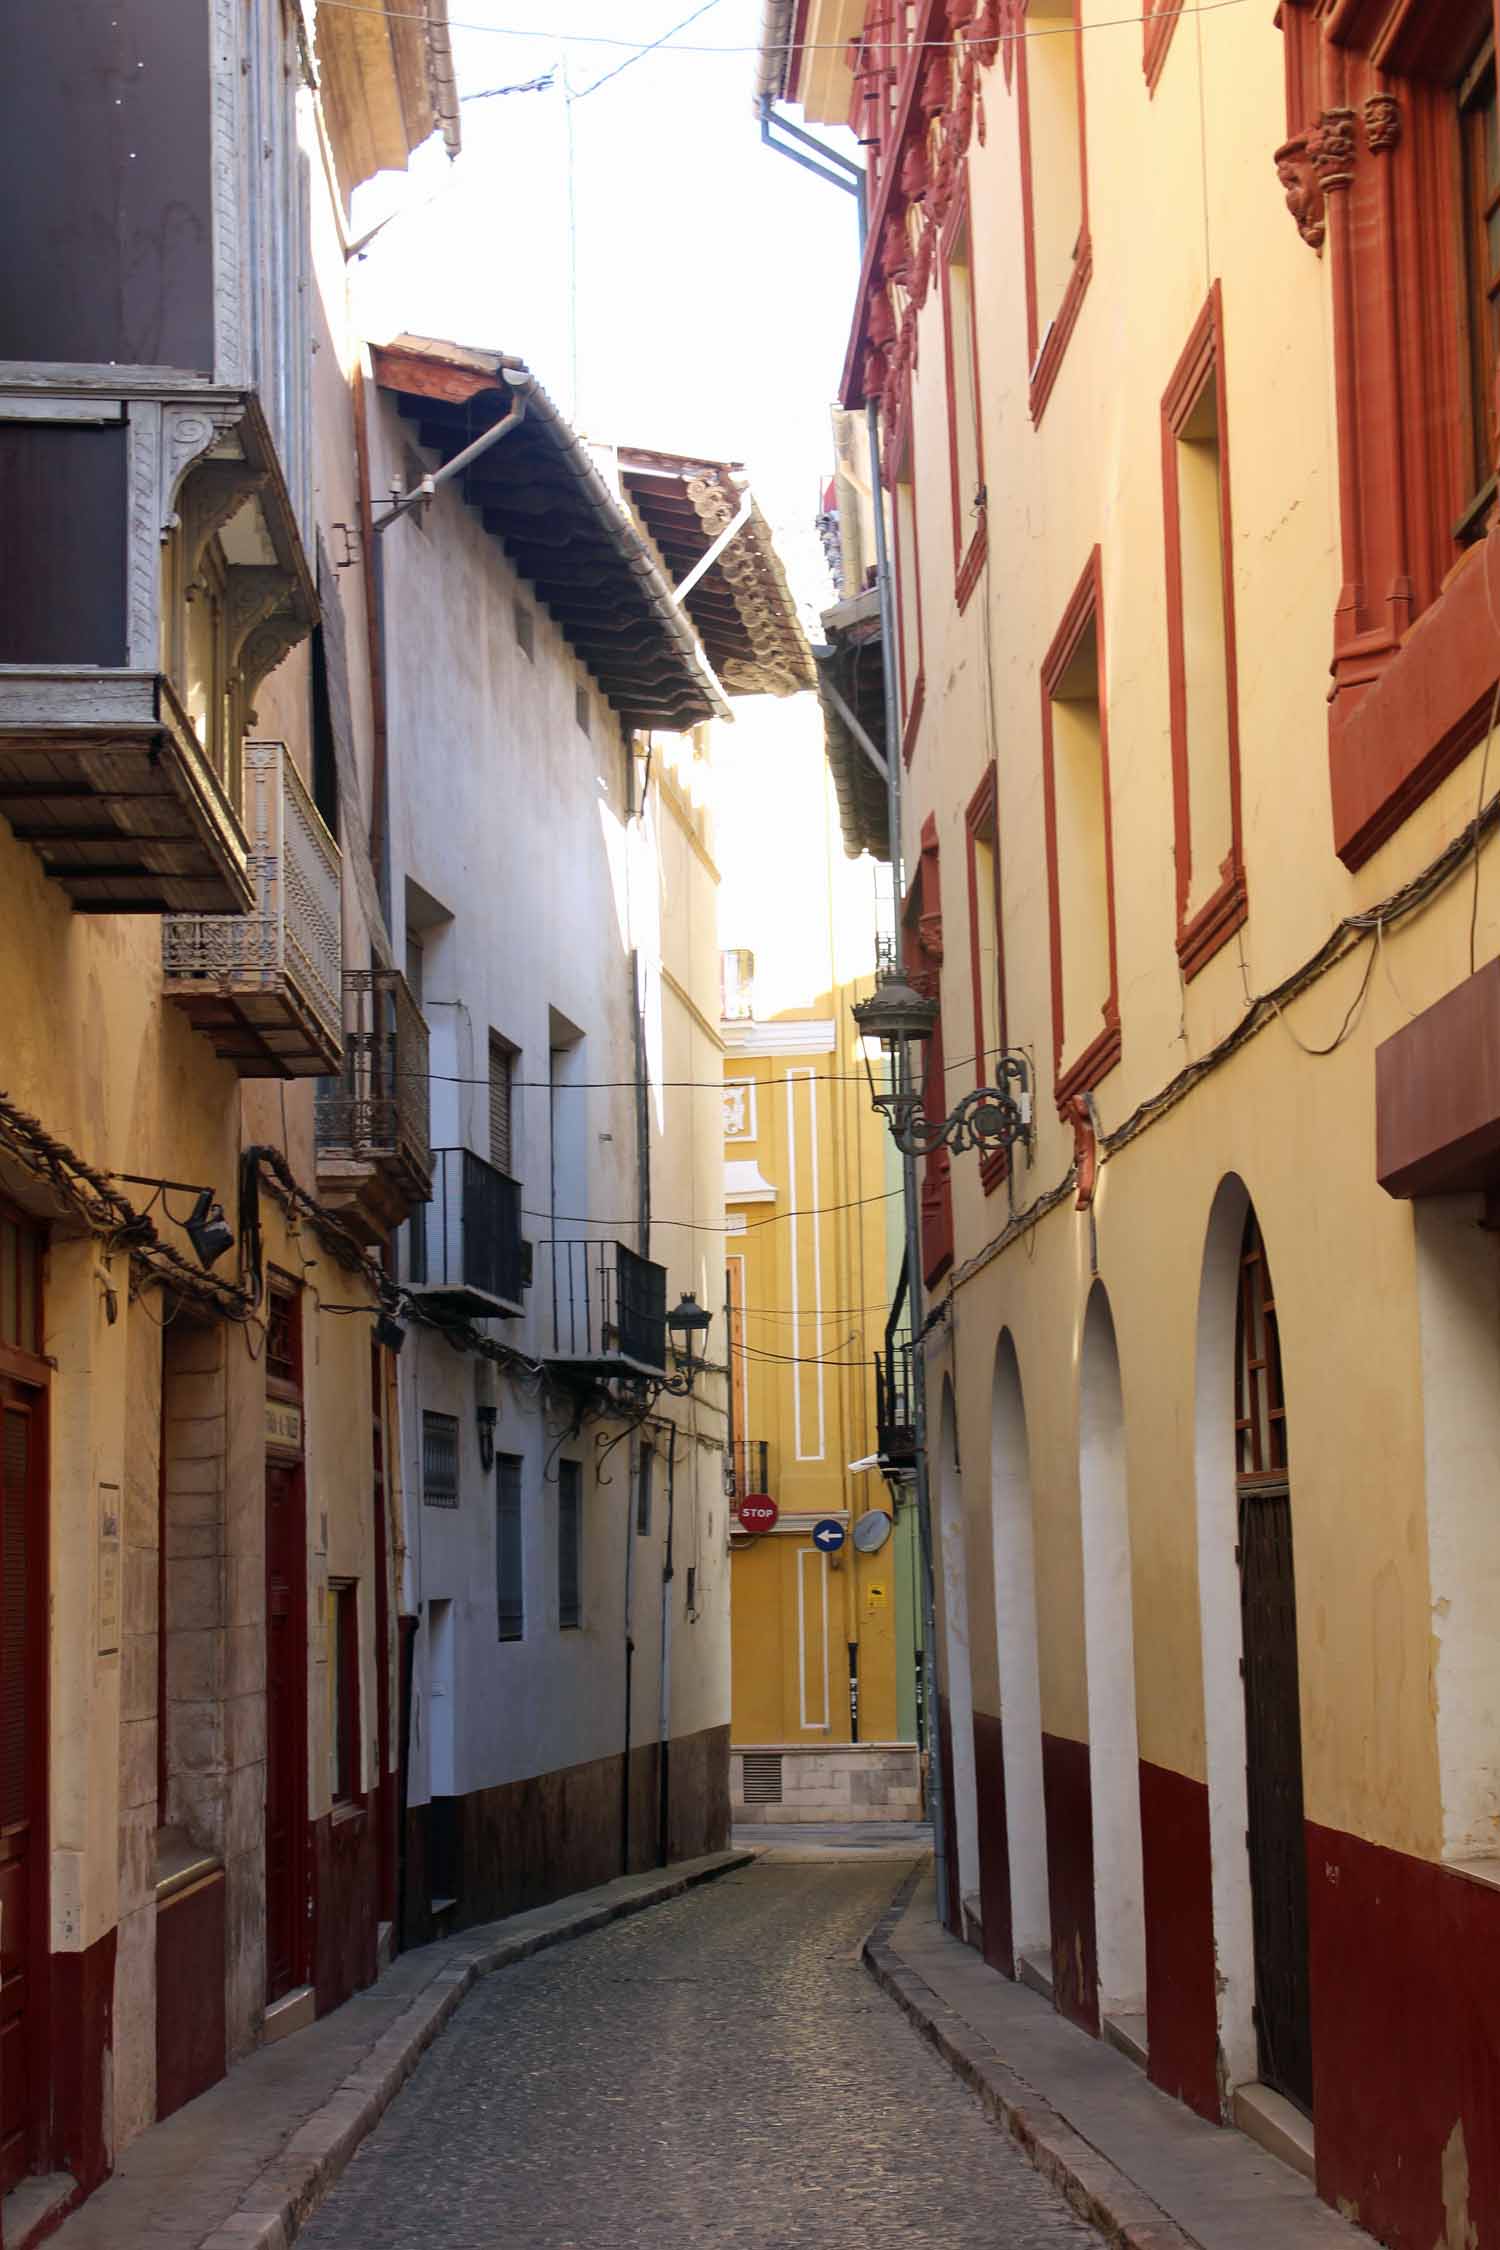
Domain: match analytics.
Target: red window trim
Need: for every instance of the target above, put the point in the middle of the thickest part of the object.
(1159, 24)
(913, 692)
(981, 819)
(968, 559)
(1222, 913)
(346, 1761)
(922, 947)
(1413, 662)
(1098, 1058)
(1046, 353)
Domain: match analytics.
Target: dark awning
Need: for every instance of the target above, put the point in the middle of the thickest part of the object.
(851, 671)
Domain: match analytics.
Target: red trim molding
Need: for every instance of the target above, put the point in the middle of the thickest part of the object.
(914, 717)
(1159, 23)
(981, 821)
(968, 556)
(1046, 349)
(1085, 608)
(922, 947)
(1200, 935)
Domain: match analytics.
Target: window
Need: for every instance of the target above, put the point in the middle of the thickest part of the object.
(1054, 188)
(986, 950)
(1075, 777)
(1200, 648)
(1479, 127)
(343, 1689)
(966, 449)
(440, 1460)
(525, 625)
(20, 1283)
(510, 1600)
(283, 1340)
(202, 667)
(922, 946)
(502, 1067)
(645, 1479)
(569, 1546)
(907, 563)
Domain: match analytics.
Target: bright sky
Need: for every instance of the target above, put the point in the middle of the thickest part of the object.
(713, 278)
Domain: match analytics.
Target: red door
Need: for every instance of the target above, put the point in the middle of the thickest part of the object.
(22, 1735)
(286, 1731)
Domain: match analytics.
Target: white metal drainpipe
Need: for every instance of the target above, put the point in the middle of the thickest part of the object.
(403, 502)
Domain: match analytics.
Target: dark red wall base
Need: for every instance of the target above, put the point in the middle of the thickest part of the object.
(1070, 1878)
(82, 2012)
(190, 2010)
(1181, 2012)
(953, 1906)
(994, 1851)
(346, 1856)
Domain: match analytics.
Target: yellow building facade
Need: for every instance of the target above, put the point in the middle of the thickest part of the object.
(824, 1630)
(1187, 430)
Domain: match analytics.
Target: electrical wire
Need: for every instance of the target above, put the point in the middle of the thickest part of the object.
(702, 1226)
(630, 60)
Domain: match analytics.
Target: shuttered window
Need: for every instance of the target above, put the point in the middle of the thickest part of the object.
(502, 1064)
(509, 1554)
(440, 1460)
(16, 1439)
(569, 1545)
(20, 1291)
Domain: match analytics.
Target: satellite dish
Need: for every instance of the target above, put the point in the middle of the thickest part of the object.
(871, 1531)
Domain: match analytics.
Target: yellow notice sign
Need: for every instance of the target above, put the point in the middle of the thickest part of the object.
(875, 1597)
(284, 1424)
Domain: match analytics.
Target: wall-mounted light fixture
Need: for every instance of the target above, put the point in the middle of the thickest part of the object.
(389, 1332)
(687, 1324)
(205, 1226)
(902, 1020)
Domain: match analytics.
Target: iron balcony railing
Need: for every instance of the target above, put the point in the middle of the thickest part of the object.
(375, 1112)
(265, 986)
(749, 1468)
(895, 1419)
(471, 1255)
(606, 1306)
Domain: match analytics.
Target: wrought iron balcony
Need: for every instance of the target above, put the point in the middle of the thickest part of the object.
(264, 986)
(606, 1309)
(102, 773)
(748, 1467)
(374, 1148)
(895, 1420)
(470, 1238)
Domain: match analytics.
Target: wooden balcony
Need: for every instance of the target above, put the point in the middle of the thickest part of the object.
(265, 986)
(373, 1140)
(102, 773)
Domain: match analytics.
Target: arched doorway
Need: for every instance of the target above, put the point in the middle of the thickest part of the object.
(1020, 1678)
(1109, 1640)
(957, 1688)
(1273, 1712)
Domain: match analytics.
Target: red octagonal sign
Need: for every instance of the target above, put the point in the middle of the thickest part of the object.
(758, 1512)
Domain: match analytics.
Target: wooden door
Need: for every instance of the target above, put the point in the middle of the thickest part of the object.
(1273, 1710)
(286, 1730)
(22, 1768)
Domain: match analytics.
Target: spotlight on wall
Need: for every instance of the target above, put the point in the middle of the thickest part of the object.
(389, 1332)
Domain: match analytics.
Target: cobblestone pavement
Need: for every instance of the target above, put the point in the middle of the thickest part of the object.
(721, 2070)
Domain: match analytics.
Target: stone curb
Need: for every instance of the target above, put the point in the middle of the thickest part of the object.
(290, 2188)
(1097, 2190)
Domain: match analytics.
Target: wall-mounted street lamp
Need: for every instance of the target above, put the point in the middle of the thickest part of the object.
(205, 1226)
(687, 1324)
(902, 1020)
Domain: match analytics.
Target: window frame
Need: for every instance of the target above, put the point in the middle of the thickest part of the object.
(510, 1490)
(1099, 1055)
(1478, 293)
(968, 551)
(1047, 342)
(432, 1495)
(904, 472)
(345, 1774)
(502, 1052)
(1200, 934)
(982, 825)
(570, 1503)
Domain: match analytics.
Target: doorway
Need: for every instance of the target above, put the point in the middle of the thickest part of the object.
(1273, 1716)
(286, 1730)
(23, 1698)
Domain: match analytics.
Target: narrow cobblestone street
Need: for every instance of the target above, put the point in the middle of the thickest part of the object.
(721, 2069)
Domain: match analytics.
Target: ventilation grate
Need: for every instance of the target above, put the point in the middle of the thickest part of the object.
(762, 1778)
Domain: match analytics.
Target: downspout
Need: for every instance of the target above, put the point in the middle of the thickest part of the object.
(829, 165)
(664, 1761)
(629, 1663)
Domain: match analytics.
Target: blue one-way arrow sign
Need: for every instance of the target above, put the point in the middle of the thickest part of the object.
(828, 1535)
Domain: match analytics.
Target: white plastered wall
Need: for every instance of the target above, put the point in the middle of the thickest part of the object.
(1109, 1639)
(1016, 1635)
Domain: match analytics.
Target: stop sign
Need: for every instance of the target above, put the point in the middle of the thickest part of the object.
(758, 1512)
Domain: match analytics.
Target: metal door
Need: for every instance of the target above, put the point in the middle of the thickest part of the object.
(286, 1731)
(1275, 1835)
(22, 1712)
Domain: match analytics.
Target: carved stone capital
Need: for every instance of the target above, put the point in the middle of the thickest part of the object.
(1382, 122)
(1332, 147)
(1304, 192)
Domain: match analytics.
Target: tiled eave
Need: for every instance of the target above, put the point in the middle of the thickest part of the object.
(742, 606)
(541, 497)
(853, 663)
